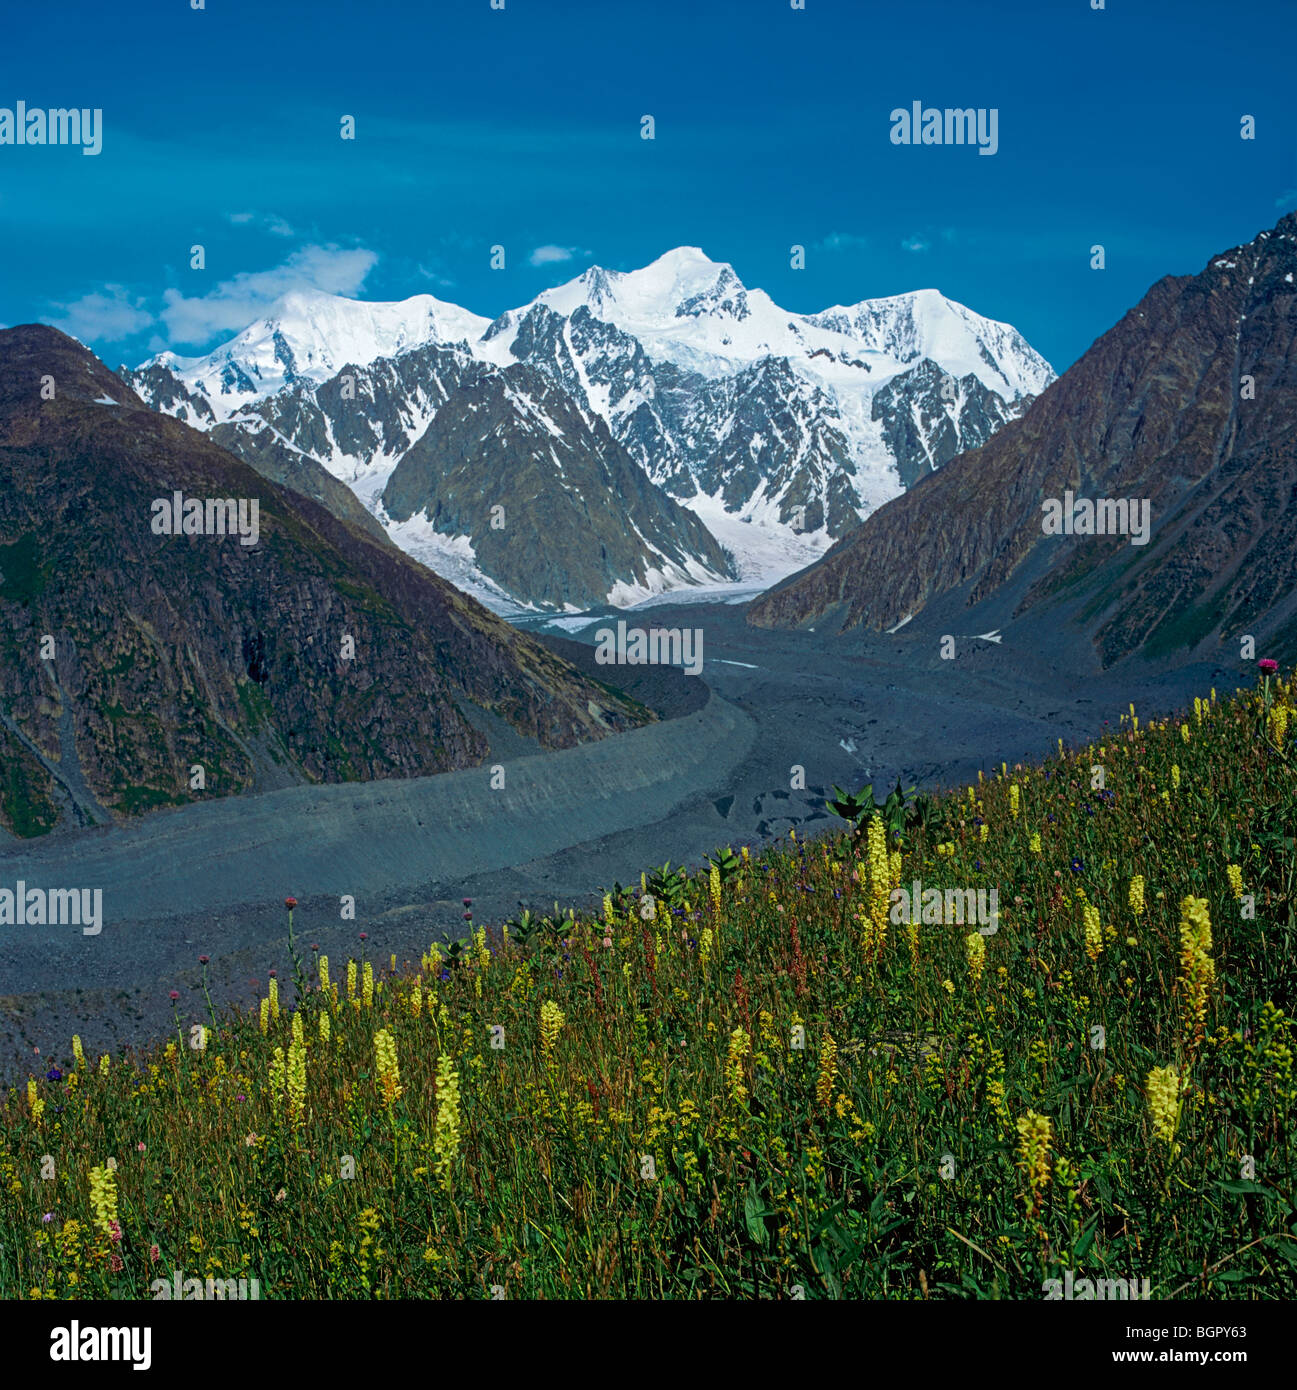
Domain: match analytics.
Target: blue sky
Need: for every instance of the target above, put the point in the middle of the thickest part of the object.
(521, 127)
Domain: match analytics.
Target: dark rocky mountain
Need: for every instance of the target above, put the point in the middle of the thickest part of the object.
(128, 658)
(1190, 403)
(579, 516)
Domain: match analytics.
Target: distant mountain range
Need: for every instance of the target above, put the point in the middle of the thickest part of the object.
(141, 669)
(622, 434)
(1188, 404)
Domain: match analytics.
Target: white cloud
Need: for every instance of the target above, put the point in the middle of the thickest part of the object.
(843, 241)
(236, 302)
(267, 221)
(915, 243)
(550, 255)
(105, 316)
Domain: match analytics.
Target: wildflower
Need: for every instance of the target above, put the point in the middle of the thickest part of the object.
(1035, 1134)
(290, 903)
(975, 950)
(265, 1016)
(880, 879)
(1175, 777)
(34, 1103)
(1278, 725)
(174, 995)
(1267, 666)
(1163, 1088)
(894, 868)
(367, 985)
(77, 1052)
(607, 909)
(714, 886)
(297, 1077)
(740, 1046)
(103, 1065)
(1093, 931)
(416, 997)
(1078, 867)
(704, 946)
(274, 997)
(1184, 733)
(324, 1026)
(1136, 895)
(389, 1075)
(1235, 875)
(278, 1074)
(1197, 969)
(551, 1021)
(103, 1198)
(1035, 842)
(1013, 800)
(445, 1136)
(324, 973)
(828, 1071)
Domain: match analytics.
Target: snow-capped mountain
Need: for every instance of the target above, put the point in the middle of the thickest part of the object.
(780, 431)
(308, 338)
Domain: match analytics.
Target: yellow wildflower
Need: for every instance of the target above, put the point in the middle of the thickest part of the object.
(1035, 1134)
(103, 1198)
(1163, 1087)
(297, 1077)
(446, 1136)
(1093, 931)
(389, 1073)
(1136, 895)
(828, 1071)
(551, 1021)
(740, 1045)
(975, 950)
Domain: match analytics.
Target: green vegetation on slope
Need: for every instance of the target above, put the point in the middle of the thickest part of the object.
(769, 1087)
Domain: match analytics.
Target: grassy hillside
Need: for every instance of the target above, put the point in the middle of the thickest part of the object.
(769, 1089)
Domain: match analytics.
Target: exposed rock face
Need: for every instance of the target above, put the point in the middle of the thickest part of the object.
(1190, 403)
(129, 658)
(578, 514)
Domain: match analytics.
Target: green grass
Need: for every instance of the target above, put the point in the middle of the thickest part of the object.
(664, 1136)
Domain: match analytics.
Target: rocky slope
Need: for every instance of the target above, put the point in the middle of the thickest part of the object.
(129, 658)
(1189, 403)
